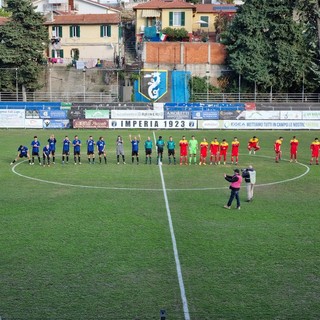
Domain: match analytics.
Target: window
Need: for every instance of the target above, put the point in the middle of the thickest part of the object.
(75, 54)
(105, 31)
(204, 21)
(176, 19)
(57, 53)
(57, 31)
(151, 22)
(74, 31)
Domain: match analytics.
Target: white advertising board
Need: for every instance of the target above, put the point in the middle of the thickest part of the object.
(137, 114)
(158, 106)
(259, 124)
(33, 123)
(290, 115)
(12, 118)
(271, 124)
(310, 115)
(152, 124)
(258, 115)
(210, 124)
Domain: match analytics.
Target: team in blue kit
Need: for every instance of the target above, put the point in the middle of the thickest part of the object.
(101, 145)
(65, 149)
(49, 150)
(35, 144)
(52, 146)
(135, 148)
(76, 149)
(46, 152)
(23, 152)
(90, 149)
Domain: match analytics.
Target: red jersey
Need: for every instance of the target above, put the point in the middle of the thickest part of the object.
(183, 147)
(277, 145)
(204, 148)
(235, 148)
(315, 147)
(294, 145)
(253, 143)
(214, 147)
(224, 148)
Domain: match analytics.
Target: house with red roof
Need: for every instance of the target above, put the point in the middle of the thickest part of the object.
(155, 15)
(177, 14)
(74, 6)
(85, 38)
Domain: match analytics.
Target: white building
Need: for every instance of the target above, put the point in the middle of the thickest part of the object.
(73, 6)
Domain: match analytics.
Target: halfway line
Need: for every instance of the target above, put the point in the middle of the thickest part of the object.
(174, 244)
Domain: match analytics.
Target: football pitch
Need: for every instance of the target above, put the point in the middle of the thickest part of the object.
(109, 241)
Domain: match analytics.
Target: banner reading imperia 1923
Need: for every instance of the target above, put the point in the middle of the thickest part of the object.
(153, 124)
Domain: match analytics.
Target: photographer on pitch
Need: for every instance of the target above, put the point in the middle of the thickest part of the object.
(249, 175)
(235, 184)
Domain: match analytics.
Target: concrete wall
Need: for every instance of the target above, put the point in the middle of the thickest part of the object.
(201, 59)
(60, 79)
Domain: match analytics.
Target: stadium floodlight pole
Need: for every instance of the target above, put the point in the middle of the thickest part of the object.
(255, 91)
(17, 87)
(208, 78)
(84, 84)
(239, 85)
(50, 85)
(302, 88)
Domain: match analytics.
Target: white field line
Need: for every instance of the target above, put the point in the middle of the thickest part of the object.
(174, 244)
(154, 189)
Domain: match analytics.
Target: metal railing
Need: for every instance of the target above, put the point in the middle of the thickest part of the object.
(258, 97)
(97, 97)
(103, 97)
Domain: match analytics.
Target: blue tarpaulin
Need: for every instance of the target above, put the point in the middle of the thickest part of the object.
(180, 84)
(150, 32)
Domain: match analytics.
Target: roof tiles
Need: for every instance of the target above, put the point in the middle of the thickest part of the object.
(165, 4)
(82, 19)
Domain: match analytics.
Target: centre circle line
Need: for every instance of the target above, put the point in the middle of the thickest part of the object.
(156, 189)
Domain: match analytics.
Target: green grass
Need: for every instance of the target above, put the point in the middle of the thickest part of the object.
(102, 249)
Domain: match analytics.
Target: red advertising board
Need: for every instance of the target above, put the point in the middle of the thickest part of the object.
(90, 123)
(250, 106)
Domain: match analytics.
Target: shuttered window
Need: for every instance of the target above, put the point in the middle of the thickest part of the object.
(57, 53)
(74, 31)
(177, 19)
(204, 21)
(105, 31)
(57, 31)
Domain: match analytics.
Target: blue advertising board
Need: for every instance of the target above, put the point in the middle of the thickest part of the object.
(177, 115)
(29, 105)
(205, 115)
(53, 114)
(219, 106)
(56, 124)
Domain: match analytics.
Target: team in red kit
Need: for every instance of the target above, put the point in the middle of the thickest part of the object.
(213, 152)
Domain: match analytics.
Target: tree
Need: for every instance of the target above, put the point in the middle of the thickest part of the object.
(265, 45)
(199, 85)
(308, 14)
(4, 13)
(23, 40)
(221, 23)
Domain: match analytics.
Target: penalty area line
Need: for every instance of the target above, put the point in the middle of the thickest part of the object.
(174, 244)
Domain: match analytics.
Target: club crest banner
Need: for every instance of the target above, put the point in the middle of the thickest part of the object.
(153, 84)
